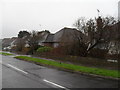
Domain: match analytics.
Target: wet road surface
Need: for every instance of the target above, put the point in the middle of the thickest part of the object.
(21, 74)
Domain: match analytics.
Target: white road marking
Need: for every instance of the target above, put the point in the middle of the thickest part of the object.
(13, 55)
(54, 84)
(17, 68)
(0, 62)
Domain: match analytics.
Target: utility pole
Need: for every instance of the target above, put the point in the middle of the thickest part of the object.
(98, 12)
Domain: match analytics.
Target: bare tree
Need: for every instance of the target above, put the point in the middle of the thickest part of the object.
(20, 44)
(95, 30)
(33, 40)
(80, 24)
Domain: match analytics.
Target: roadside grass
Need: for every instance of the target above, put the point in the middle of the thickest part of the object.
(6, 54)
(96, 71)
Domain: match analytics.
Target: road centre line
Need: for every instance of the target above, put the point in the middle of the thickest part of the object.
(17, 68)
(55, 84)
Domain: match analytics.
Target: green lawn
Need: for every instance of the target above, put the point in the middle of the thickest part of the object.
(6, 54)
(97, 71)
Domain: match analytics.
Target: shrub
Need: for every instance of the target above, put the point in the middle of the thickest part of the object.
(25, 50)
(44, 49)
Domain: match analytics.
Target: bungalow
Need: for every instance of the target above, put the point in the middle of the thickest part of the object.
(63, 37)
(6, 43)
(24, 41)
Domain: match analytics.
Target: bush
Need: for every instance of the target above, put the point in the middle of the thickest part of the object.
(44, 49)
(25, 50)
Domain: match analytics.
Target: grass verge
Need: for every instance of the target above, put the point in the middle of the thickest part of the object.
(6, 54)
(96, 71)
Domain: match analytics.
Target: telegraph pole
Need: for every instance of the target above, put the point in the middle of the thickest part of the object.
(98, 12)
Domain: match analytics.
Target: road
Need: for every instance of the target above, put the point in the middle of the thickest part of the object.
(21, 74)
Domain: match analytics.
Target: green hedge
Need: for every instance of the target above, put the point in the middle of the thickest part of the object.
(5, 53)
(44, 49)
(97, 71)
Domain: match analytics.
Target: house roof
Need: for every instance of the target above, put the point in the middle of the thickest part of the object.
(49, 38)
(7, 41)
(68, 35)
(43, 36)
(65, 35)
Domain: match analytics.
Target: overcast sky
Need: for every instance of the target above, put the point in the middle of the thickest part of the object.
(50, 15)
